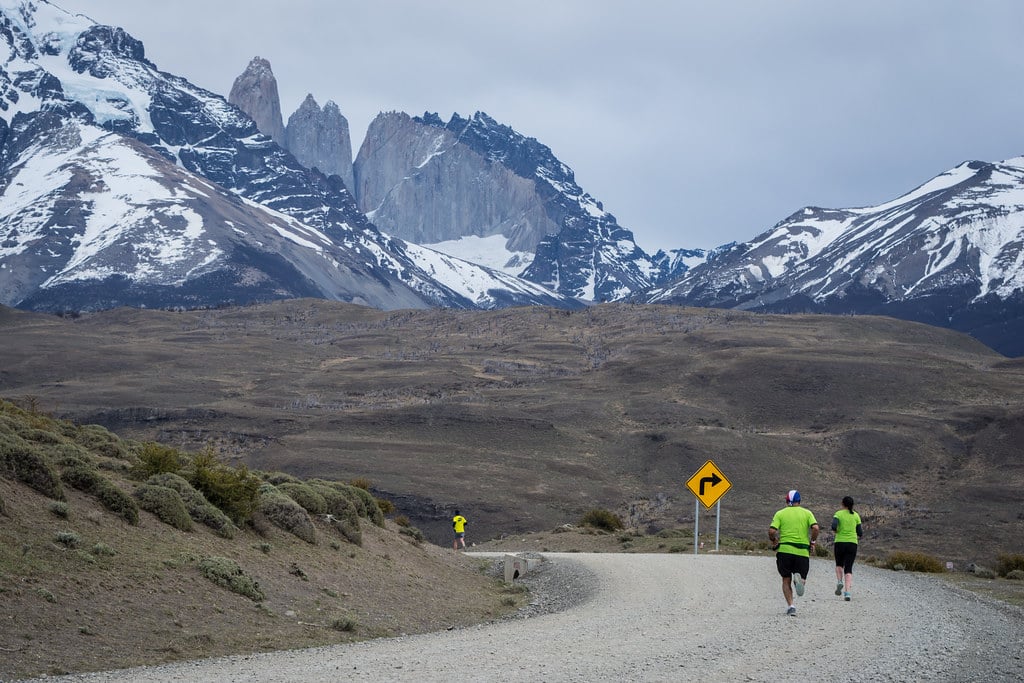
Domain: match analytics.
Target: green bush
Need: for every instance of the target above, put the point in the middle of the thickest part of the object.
(234, 490)
(60, 509)
(285, 513)
(342, 513)
(1015, 574)
(166, 504)
(412, 532)
(102, 550)
(68, 539)
(601, 519)
(100, 441)
(117, 501)
(28, 464)
(914, 562)
(386, 506)
(80, 475)
(199, 509)
(277, 478)
(225, 572)
(1007, 563)
(155, 458)
(305, 495)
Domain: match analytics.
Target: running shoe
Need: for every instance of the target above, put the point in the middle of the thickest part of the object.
(798, 583)
(791, 611)
(846, 596)
(839, 588)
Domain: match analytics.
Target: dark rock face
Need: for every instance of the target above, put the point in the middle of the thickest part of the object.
(255, 93)
(319, 138)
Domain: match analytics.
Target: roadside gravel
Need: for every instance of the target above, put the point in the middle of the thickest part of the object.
(667, 617)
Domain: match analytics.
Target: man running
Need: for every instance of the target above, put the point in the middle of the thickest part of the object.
(459, 525)
(791, 528)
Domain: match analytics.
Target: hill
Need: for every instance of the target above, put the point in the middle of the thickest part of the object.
(101, 569)
(526, 418)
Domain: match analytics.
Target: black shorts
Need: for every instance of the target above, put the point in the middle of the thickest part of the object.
(789, 564)
(846, 553)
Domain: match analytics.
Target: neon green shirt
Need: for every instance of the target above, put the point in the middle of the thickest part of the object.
(459, 522)
(846, 530)
(794, 525)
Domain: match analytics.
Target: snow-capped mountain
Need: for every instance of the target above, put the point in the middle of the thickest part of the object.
(949, 253)
(456, 185)
(122, 184)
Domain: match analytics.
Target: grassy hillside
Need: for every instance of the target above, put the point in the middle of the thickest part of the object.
(526, 418)
(111, 554)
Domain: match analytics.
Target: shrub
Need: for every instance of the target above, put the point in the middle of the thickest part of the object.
(304, 495)
(343, 513)
(285, 513)
(225, 572)
(68, 539)
(28, 465)
(601, 519)
(1015, 574)
(231, 489)
(344, 624)
(166, 504)
(386, 506)
(914, 562)
(100, 441)
(361, 483)
(155, 458)
(117, 501)
(1007, 563)
(60, 509)
(80, 475)
(369, 505)
(402, 520)
(103, 550)
(278, 478)
(199, 509)
(412, 532)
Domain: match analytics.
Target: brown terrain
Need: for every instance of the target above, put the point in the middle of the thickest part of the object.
(524, 419)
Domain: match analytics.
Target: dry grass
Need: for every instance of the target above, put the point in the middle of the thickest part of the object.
(526, 418)
(84, 588)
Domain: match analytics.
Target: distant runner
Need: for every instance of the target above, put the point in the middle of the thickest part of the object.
(791, 527)
(846, 524)
(459, 525)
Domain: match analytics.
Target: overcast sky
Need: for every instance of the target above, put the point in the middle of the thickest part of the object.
(695, 123)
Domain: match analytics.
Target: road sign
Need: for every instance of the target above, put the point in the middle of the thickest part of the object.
(708, 484)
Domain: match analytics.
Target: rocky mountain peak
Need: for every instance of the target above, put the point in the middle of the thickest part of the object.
(255, 93)
(319, 138)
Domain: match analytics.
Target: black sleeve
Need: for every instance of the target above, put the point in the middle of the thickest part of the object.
(835, 524)
(860, 531)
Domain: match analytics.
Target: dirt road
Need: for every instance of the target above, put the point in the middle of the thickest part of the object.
(671, 617)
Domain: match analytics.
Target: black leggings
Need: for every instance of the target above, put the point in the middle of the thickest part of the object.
(846, 553)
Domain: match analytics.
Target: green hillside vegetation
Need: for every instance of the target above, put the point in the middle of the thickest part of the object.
(116, 552)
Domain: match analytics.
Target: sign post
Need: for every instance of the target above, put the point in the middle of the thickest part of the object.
(708, 484)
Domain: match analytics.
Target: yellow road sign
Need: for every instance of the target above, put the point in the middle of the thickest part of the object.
(708, 484)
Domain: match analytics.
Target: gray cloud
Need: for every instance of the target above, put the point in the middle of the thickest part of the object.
(695, 123)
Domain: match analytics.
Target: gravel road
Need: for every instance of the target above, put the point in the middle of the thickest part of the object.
(671, 617)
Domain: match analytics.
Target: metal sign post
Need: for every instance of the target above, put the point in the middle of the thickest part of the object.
(708, 484)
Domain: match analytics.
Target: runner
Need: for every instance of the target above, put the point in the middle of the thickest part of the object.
(459, 525)
(791, 527)
(846, 524)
